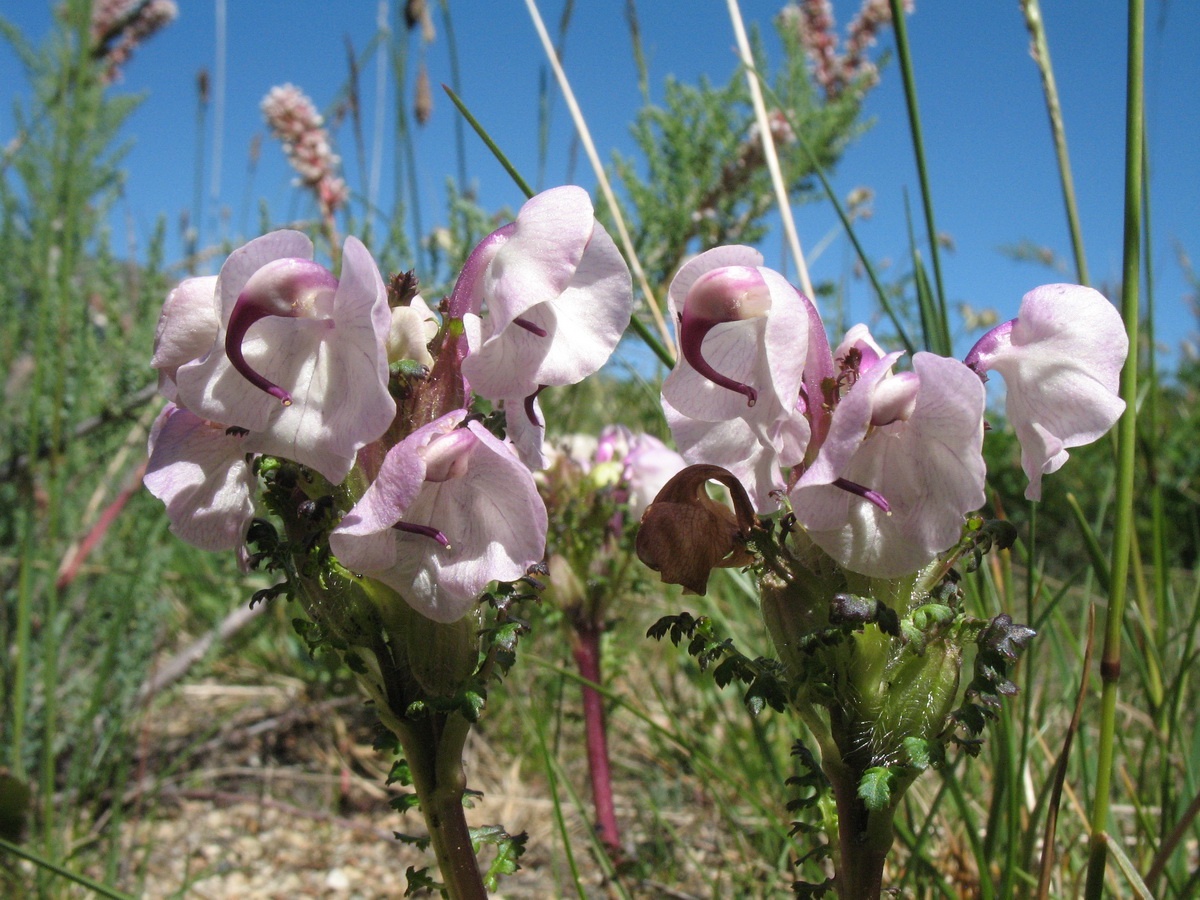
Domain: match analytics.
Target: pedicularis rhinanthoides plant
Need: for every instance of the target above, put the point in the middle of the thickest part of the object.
(360, 422)
(853, 490)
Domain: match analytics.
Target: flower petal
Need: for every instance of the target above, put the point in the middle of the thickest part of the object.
(490, 513)
(540, 258)
(334, 368)
(364, 540)
(929, 468)
(556, 306)
(187, 328)
(733, 445)
(766, 352)
(200, 471)
(1061, 359)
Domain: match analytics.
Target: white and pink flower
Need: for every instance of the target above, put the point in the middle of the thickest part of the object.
(299, 358)
(544, 301)
(880, 468)
(451, 510)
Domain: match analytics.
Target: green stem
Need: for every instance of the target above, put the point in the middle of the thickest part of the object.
(1110, 663)
(1041, 56)
(96, 887)
(433, 748)
(900, 26)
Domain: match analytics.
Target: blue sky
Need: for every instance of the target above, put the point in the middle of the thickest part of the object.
(991, 160)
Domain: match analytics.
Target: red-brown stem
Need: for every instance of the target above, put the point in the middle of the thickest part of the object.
(586, 649)
(864, 837)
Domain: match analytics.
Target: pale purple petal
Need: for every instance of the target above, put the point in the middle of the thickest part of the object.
(709, 260)
(492, 516)
(1061, 359)
(859, 338)
(649, 464)
(591, 314)
(527, 434)
(334, 368)
(200, 471)
(929, 468)
(734, 445)
(848, 427)
(540, 257)
(186, 330)
(556, 306)
(364, 540)
(786, 340)
(252, 256)
(766, 352)
(735, 350)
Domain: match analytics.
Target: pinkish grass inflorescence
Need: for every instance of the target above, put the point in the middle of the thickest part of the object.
(118, 26)
(815, 26)
(294, 120)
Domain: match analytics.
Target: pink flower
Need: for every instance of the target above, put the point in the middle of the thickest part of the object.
(646, 463)
(555, 298)
(1061, 359)
(451, 510)
(200, 470)
(187, 327)
(734, 397)
(299, 358)
(294, 120)
(900, 468)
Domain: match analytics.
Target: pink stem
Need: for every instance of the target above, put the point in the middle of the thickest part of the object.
(586, 649)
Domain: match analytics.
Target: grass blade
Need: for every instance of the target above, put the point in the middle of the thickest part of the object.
(1110, 663)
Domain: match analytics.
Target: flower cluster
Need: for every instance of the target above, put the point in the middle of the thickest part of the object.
(118, 26)
(294, 120)
(634, 464)
(813, 23)
(878, 467)
(277, 358)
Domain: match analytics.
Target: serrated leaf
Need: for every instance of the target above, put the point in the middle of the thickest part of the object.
(402, 803)
(400, 773)
(415, 840)
(726, 672)
(917, 751)
(471, 703)
(806, 890)
(419, 880)
(875, 788)
(659, 629)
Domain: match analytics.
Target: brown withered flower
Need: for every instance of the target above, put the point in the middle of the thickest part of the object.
(685, 534)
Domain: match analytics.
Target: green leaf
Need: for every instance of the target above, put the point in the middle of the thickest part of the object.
(419, 880)
(918, 752)
(402, 803)
(875, 789)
